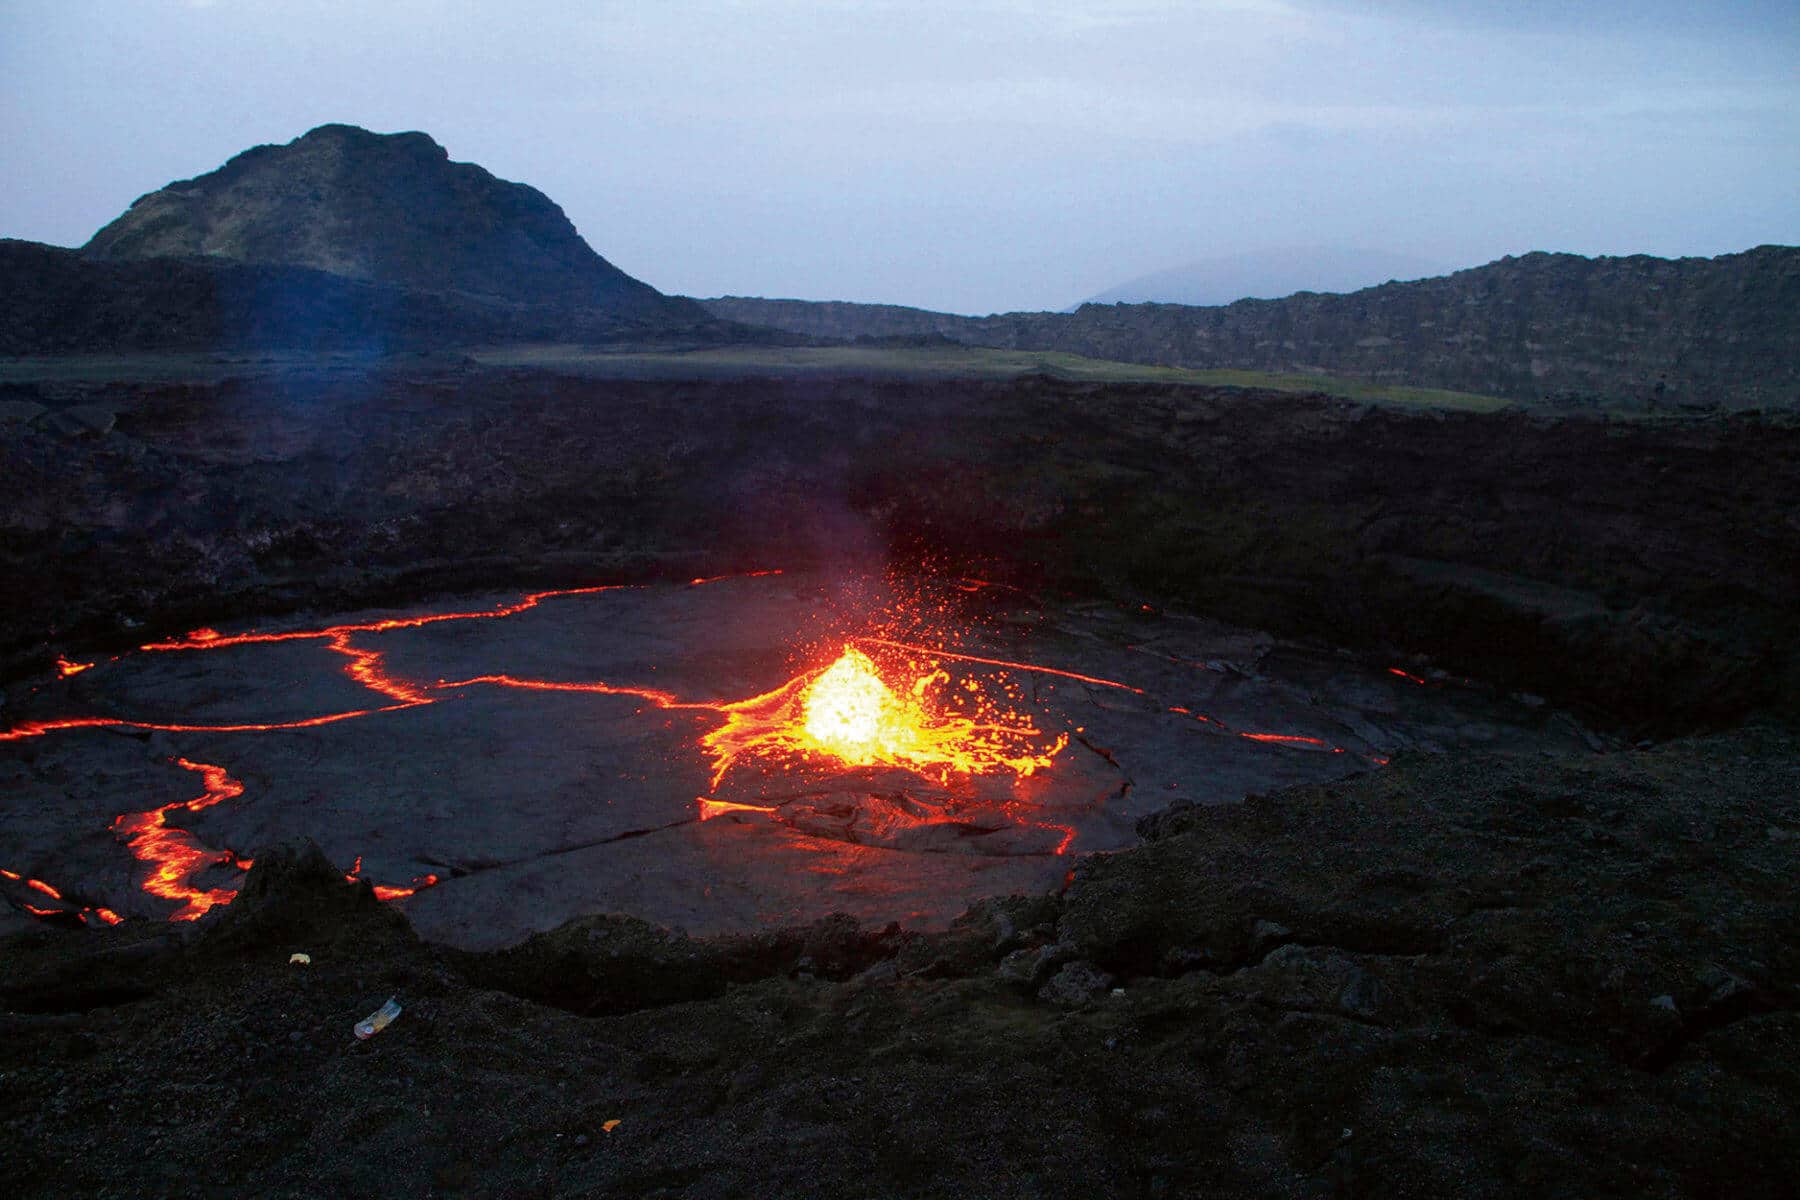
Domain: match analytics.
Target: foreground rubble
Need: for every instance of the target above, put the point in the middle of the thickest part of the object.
(1477, 976)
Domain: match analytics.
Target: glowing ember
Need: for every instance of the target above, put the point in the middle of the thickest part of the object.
(66, 668)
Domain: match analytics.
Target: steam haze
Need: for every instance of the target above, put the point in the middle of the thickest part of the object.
(983, 156)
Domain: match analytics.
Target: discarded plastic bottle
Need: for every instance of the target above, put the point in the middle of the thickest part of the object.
(378, 1020)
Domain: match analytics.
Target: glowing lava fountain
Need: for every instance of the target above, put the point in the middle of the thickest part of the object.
(849, 713)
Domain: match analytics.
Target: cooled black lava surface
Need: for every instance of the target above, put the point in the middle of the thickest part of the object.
(534, 806)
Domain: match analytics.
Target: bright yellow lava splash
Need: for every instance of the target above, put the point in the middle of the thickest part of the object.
(848, 712)
(851, 713)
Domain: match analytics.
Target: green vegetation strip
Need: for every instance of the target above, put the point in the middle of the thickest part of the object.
(900, 362)
(938, 362)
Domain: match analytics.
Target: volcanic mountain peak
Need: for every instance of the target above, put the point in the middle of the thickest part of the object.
(387, 208)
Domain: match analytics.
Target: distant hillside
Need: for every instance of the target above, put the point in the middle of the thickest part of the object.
(1268, 275)
(57, 301)
(341, 238)
(383, 208)
(1723, 330)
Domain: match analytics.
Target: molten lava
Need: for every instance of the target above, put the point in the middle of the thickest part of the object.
(851, 713)
(383, 891)
(175, 856)
(847, 712)
(81, 912)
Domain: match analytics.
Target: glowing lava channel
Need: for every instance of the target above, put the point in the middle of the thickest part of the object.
(384, 892)
(176, 856)
(81, 912)
(212, 639)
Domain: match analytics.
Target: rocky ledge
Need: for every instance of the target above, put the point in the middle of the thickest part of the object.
(1479, 976)
(1641, 571)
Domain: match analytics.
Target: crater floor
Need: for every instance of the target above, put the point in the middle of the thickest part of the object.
(503, 763)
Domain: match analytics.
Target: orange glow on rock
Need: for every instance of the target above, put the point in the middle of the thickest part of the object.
(1285, 739)
(81, 913)
(710, 808)
(86, 915)
(384, 892)
(66, 668)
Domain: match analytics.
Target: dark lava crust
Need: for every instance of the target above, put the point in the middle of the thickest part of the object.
(1487, 977)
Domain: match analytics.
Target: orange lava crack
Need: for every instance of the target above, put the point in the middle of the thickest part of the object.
(175, 857)
(82, 912)
(1284, 739)
(385, 892)
(212, 639)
